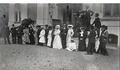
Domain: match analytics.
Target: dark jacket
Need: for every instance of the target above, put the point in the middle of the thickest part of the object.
(104, 37)
(13, 31)
(88, 14)
(97, 23)
(91, 36)
(5, 31)
(20, 31)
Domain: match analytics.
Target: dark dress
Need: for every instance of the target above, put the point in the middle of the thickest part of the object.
(82, 44)
(31, 36)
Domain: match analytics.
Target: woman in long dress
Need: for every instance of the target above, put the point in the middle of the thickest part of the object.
(82, 37)
(26, 35)
(57, 40)
(69, 34)
(49, 37)
(42, 37)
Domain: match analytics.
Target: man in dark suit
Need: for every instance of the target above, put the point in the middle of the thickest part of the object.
(97, 23)
(63, 36)
(13, 32)
(88, 13)
(91, 41)
(6, 34)
(103, 41)
(38, 32)
(52, 37)
(19, 34)
(46, 33)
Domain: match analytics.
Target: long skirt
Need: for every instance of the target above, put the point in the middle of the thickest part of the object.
(81, 46)
(68, 40)
(42, 39)
(49, 41)
(57, 42)
(26, 39)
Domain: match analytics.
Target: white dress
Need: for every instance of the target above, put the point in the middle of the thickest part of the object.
(42, 36)
(69, 36)
(49, 38)
(71, 47)
(57, 40)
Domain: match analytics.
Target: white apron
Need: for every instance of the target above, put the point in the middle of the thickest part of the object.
(49, 38)
(42, 36)
(97, 44)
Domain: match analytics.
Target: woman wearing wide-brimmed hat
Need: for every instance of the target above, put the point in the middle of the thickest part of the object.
(57, 40)
(70, 34)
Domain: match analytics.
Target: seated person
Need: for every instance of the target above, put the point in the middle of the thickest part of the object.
(71, 46)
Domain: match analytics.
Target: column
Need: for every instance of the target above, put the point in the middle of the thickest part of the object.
(24, 11)
(39, 20)
(11, 14)
(47, 20)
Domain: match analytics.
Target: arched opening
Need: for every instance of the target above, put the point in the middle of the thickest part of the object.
(17, 9)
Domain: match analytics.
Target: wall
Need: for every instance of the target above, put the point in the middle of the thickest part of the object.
(4, 9)
(32, 11)
(12, 13)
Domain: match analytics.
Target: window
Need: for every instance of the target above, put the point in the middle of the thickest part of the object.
(17, 12)
(112, 10)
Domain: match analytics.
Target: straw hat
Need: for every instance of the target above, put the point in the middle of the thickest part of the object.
(57, 26)
(70, 26)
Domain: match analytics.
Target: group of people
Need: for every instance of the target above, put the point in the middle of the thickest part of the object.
(92, 37)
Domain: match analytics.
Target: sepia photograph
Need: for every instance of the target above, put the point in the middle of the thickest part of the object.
(59, 36)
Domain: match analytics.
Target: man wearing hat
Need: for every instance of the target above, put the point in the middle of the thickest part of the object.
(89, 13)
(103, 40)
(63, 36)
(91, 40)
(97, 22)
(13, 32)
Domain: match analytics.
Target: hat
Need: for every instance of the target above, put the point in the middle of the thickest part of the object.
(57, 26)
(82, 27)
(70, 26)
(102, 26)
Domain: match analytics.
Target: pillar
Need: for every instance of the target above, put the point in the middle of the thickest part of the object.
(24, 11)
(11, 14)
(39, 20)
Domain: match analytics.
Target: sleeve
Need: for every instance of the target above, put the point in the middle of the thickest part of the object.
(72, 32)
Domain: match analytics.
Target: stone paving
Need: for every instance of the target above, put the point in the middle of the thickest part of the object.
(31, 57)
